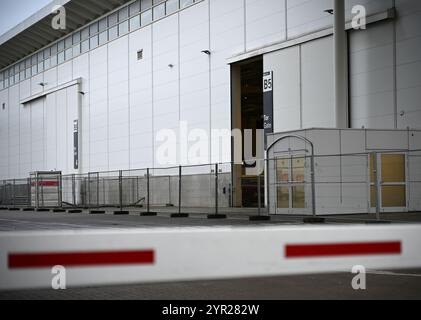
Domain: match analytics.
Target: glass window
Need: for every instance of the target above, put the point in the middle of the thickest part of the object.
(123, 14)
(53, 60)
(16, 78)
(76, 38)
(47, 64)
(102, 24)
(68, 42)
(123, 28)
(113, 19)
(93, 29)
(145, 4)
(17, 68)
(135, 23)
(69, 54)
(34, 60)
(28, 63)
(1, 76)
(54, 49)
(60, 45)
(84, 34)
(93, 42)
(28, 73)
(76, 50)
(41, 66)
(34, 70)
(47, 53)
(185, 3)
(22, 66)
(146, 17)
(60, 57)
(159, 11)
(1, 84)
(112, 33)
(84, 46)
(11, 81)
(22, 75)
(157, 1)
(6, 82)
(134, 8)
(172, 6)
(103, 37)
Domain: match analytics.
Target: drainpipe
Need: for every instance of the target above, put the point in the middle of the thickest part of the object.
(340, 65)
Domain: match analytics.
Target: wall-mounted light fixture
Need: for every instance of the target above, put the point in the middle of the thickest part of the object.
(206, 52)
(42, 84)
(330, 11)
(171, 65)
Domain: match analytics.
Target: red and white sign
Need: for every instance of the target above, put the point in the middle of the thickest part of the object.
(106, 257)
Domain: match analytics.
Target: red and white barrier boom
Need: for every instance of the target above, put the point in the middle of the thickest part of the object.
(105, 257)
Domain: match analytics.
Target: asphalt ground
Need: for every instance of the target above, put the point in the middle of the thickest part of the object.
(401, 284)
(396, 285)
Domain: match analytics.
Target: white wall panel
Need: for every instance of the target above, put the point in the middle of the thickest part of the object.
(194, 72)
(408, 60)
(72, 100)
(372, 77)
(81, 70)
(98, 108)
(285, 65)
(25, 154)
(265, 22)
(140, 72)
(118, 103)
(305, 16)
(371, 6)
(227, 39)
(50, 129)
(4, 134)
(50, 78)
(62, 132)
(165, 80)
(317, 84)
(14, 132)
(64, 72)
(36, 86)
(37, 134)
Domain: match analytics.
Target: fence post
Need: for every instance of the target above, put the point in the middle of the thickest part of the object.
(120, 187)
(97, 190)
(14, 192)
(216, 188)
(376, 183)
(148, 190)
(29, 192)
(179, 190)
(73, 190)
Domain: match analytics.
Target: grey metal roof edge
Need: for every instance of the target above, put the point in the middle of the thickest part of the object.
(31, 20)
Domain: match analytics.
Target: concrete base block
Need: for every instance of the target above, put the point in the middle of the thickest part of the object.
(14, 209)
(74, 211)
(121, 213)
(59, 210)
(314, 220)
(43, 210)
(97, 212)
(28, 209)
(259, 218)
(217, 216)
(148, 214)
(179, 215)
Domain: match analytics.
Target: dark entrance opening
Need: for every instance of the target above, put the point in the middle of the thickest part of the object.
(247, 113)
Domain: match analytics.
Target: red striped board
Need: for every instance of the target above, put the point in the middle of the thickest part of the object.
(108, 257)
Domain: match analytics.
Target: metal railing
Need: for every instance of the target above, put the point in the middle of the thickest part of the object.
(341, 184)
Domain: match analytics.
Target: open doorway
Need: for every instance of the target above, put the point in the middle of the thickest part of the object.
(247, 113)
